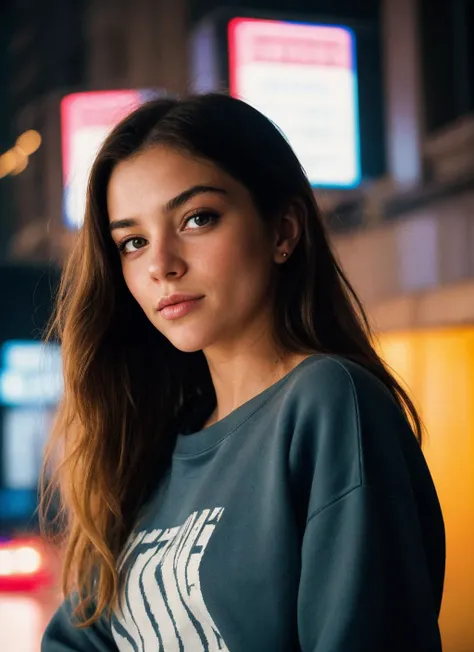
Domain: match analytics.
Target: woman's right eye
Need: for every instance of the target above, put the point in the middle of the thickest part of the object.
(131, 245)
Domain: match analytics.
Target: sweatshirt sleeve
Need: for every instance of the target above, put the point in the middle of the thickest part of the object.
(61, 635)
(373, 537)
(364, 586)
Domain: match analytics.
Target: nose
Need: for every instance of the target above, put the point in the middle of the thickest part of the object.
(166, 261)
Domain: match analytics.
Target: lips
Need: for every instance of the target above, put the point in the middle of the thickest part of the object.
(174, 299)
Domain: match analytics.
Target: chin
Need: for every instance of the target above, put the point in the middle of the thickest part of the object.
(190, 342)
(186, 347)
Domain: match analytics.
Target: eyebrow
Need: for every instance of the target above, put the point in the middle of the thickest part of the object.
(172, 204)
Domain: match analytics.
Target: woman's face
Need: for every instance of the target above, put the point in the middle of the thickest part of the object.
(189, 233)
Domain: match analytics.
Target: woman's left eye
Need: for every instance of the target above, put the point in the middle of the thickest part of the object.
(202, 219)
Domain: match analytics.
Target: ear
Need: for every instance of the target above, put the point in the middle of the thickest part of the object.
(288, 231)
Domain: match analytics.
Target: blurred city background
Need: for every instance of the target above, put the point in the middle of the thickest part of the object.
(377, 98)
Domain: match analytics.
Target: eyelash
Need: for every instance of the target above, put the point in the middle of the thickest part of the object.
(214, 217)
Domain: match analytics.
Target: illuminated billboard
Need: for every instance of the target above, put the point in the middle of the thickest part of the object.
(86, 120)
(31, 386)
(303, 77)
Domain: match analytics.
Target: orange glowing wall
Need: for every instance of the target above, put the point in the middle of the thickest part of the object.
(438, 368)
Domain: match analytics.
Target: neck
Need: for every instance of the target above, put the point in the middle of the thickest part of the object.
(241, 375)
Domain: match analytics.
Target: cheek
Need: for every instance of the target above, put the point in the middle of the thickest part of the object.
(239, 252)
(134, 282)
(240, 263)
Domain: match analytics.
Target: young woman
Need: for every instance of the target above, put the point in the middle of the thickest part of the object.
(237, 465)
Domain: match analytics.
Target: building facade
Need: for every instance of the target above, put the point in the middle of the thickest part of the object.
(412, 260)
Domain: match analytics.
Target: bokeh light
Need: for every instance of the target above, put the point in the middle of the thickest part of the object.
(29, 141)
(8, 162)
(21, 160)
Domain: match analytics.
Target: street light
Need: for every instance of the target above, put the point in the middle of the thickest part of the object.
(15, 160)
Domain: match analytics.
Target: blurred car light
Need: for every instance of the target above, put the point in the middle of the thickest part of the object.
(23, 565)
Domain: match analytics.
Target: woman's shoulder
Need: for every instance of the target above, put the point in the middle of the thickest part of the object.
(348, 427)
(329, 381)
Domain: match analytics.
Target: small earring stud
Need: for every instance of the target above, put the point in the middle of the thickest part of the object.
(284, 254)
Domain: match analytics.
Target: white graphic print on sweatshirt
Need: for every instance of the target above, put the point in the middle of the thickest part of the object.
(163, 607)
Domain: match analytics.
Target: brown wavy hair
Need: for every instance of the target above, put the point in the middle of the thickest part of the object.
(125, 383)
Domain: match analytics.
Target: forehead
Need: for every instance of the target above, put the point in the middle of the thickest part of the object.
(158, 174)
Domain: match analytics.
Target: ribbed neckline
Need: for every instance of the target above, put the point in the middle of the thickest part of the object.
(202, 440)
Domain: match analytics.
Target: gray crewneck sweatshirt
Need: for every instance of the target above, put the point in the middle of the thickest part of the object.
(306, 520)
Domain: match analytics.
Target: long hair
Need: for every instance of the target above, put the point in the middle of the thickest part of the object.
(125, 383)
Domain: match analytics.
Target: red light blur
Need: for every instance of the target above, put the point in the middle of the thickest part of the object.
(24, 565)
